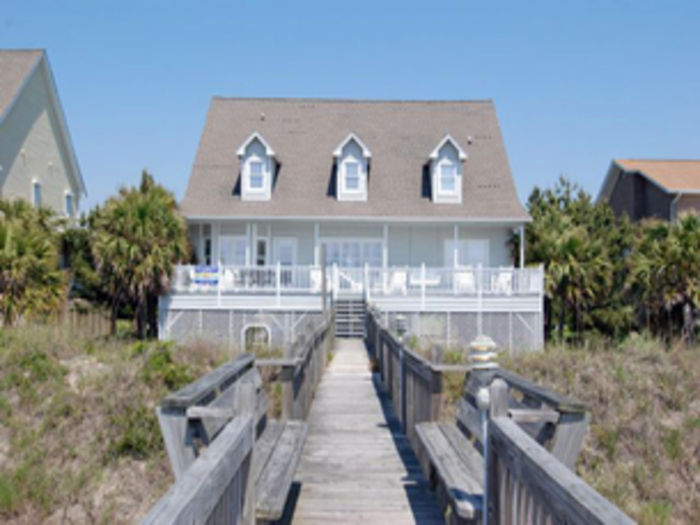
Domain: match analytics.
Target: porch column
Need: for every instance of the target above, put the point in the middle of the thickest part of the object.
(215, 227)
(455, 248)
(317, 244)
(385, 246)
(247, 244)
(522, 246)
(254, 244)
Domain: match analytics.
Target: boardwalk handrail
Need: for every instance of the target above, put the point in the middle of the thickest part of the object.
(526, 480)
(301, 371)
(215, 488)
(527, 484)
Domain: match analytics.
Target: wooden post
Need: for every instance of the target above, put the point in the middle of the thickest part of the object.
(244, 405)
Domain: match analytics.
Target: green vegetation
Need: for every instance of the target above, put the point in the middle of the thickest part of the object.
(137, 237)
(78, 425)
(31, 284)
(642, 450)
(607, 276)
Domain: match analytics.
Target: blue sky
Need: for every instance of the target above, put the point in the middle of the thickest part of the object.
(575, 83)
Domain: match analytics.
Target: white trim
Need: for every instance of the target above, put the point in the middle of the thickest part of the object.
(253, 136)
(66, 194)
(363, 218)
(55, 101)
(442, 191)
(255, 325)
(366, 153)
(32, 193)
(448, 138)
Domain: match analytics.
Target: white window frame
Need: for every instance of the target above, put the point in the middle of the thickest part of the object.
(36, 184)
(361, 243)
(347, 162)
(280, 241)
(68, 195)
(463, 250)
(251, 162)
(455, 187)
(234, 240)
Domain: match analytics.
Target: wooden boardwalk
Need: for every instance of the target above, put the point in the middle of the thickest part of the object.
(357, 466)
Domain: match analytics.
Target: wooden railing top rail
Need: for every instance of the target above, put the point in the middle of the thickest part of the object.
(559, 402)
(199, 494)
(566, 497)
(301, 349)
(207, 387)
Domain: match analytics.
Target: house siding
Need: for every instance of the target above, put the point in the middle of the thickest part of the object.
(409, 245)
(688, 203)
(635, 196)
(31, 148)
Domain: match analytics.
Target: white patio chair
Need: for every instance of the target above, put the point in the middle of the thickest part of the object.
(398, 282)
(464, 281)
(504, 281)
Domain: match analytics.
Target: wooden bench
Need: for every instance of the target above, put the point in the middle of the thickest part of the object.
(192, 418)
(451, 453)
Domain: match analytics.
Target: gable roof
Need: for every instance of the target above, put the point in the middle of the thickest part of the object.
(253, 137)
(17, 66)
(460, 152)
(338, 151)
(305, 133)
(671, 175)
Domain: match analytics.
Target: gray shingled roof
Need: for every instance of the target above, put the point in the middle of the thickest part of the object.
(15, 65)
(304, 132)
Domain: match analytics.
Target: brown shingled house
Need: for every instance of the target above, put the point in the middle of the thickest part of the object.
(413, 201)
(652, 188)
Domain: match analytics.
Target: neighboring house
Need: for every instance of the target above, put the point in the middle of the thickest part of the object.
(644, 188)
(37, 161)
(413, 201)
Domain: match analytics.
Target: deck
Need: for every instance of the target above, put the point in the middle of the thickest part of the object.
(357, 467)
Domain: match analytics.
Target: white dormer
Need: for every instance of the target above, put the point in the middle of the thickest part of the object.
(446, 171)
(257, 168)
(352, 162)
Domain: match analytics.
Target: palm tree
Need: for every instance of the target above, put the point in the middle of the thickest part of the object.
(138, 237)
(31, 283)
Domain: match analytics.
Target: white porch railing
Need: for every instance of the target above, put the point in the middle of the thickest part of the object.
(421, 281)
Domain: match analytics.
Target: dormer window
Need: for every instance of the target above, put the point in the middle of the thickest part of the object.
(352, 166)
(352, 176)
(448, 178)
(446, 168)
(258, 166)
(256, 175)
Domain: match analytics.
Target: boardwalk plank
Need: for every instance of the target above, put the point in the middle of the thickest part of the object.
(356, 466)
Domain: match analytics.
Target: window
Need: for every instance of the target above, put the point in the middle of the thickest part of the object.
(207, 251)
(232, 250)
(354, 254)
(69, 205)
(352, 176)
(470, 252)
(36, 194)
(285, 251)
(448, 175)
(256, 175)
